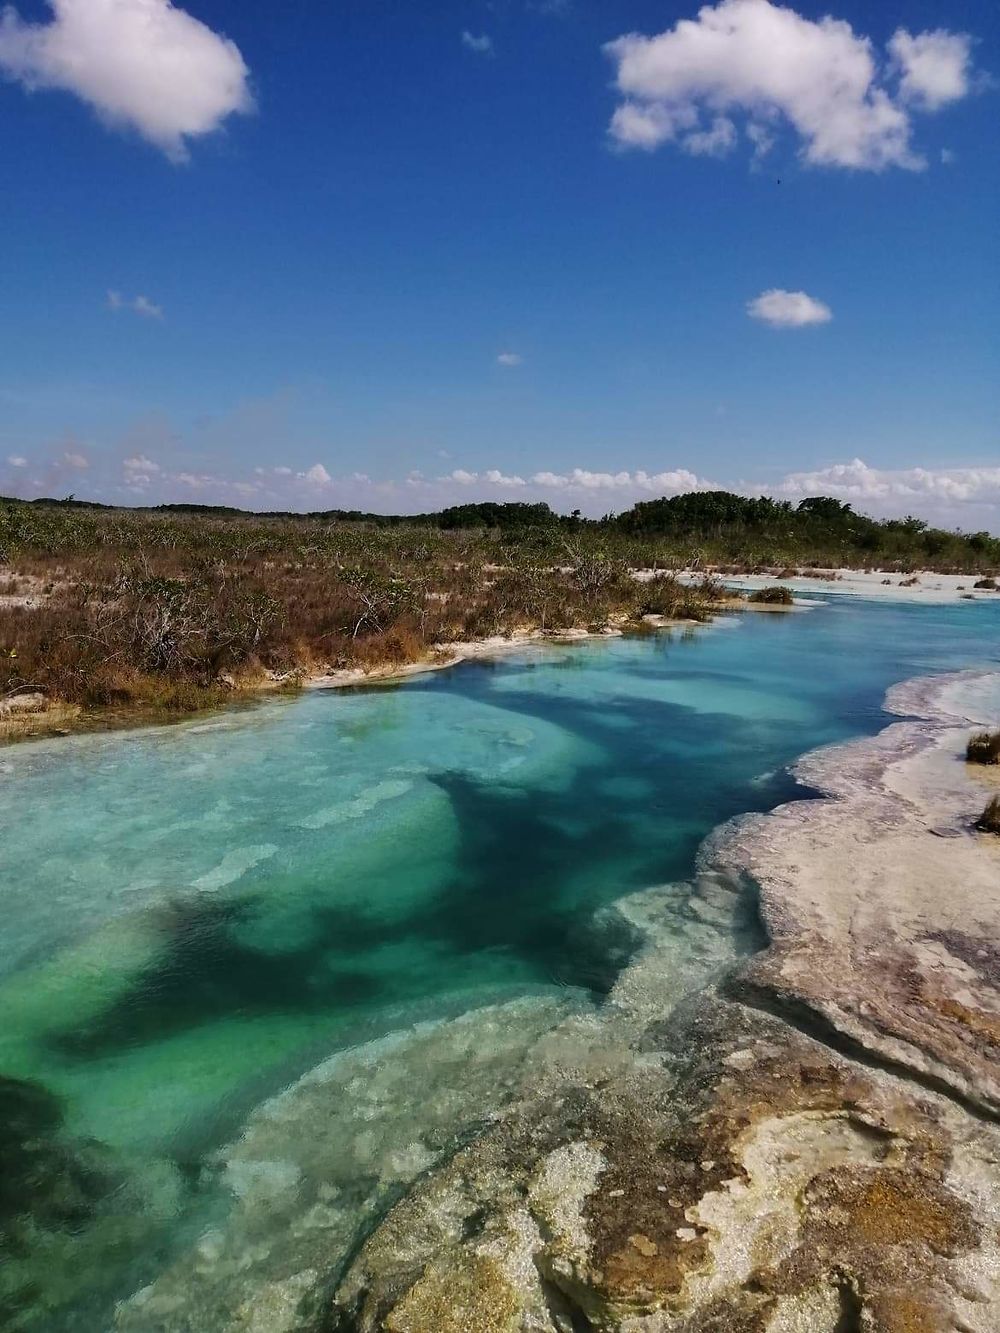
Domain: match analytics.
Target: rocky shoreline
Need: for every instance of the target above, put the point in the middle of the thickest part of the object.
(794, 1131)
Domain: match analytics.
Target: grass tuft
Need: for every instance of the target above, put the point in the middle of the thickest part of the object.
(984, 748)
(989, 820)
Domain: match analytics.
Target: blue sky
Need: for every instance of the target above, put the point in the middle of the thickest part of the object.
(394, 256)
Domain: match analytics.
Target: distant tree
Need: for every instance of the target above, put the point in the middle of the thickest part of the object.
(825, 507)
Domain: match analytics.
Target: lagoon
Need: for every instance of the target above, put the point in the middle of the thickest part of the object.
(195, 916)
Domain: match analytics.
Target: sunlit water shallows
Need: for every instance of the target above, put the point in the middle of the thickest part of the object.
(194, 916)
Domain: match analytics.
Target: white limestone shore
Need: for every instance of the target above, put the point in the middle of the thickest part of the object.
(923, 587)
(881, 899)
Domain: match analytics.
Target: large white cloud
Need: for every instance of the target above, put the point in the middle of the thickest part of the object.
(769, 64)
(142, 64)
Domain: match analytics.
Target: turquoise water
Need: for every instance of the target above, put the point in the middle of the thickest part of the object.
(194, 915)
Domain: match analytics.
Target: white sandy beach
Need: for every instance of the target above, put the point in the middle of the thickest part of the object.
(876, 584)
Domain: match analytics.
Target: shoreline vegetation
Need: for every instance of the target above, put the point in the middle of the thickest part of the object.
(117, 616)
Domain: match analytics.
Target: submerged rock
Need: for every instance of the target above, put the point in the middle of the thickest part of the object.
(59, 1197)
(768, 1184)
(318, 1165)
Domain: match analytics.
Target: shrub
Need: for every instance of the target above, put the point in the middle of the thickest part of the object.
(661, 596)
(774, 596)
(984, 748)
(989, 820)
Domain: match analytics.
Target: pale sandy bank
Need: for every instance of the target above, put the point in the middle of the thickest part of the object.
(877, 584)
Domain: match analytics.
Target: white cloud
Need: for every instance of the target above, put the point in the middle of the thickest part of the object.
(510, 359)
(138, 305)
(788, 310)
(141, 64)
(497, 478)
(947, 157)
(460, 475)
(716, 142)
(650, 124)
(769, 63)
(74, 460)
(139, 472)
(883, 489)
(142, 305)
(761, 138)
(934, 67)
(140, 465)
(317, 475)
(662, 483)
(482, 45)
(15, 460)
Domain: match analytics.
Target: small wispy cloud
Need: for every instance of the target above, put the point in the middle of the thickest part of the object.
(788, 310)
(140, 463)
(482, 45)
(140, 472)
(138, 305)
(510, 359)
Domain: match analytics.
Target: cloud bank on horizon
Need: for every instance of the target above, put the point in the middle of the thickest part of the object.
(768, 68)
(966, 497)
(143, 65)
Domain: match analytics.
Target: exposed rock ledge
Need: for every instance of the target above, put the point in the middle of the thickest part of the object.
(687, 1158)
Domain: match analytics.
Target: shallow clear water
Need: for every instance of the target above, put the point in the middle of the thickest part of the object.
(194, 915)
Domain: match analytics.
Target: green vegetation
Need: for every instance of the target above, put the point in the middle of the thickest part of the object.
(984, 748)
(989, 820)
(773, 596)
(174, 607)
(706, 527)
(174, 611)
(819, 531)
